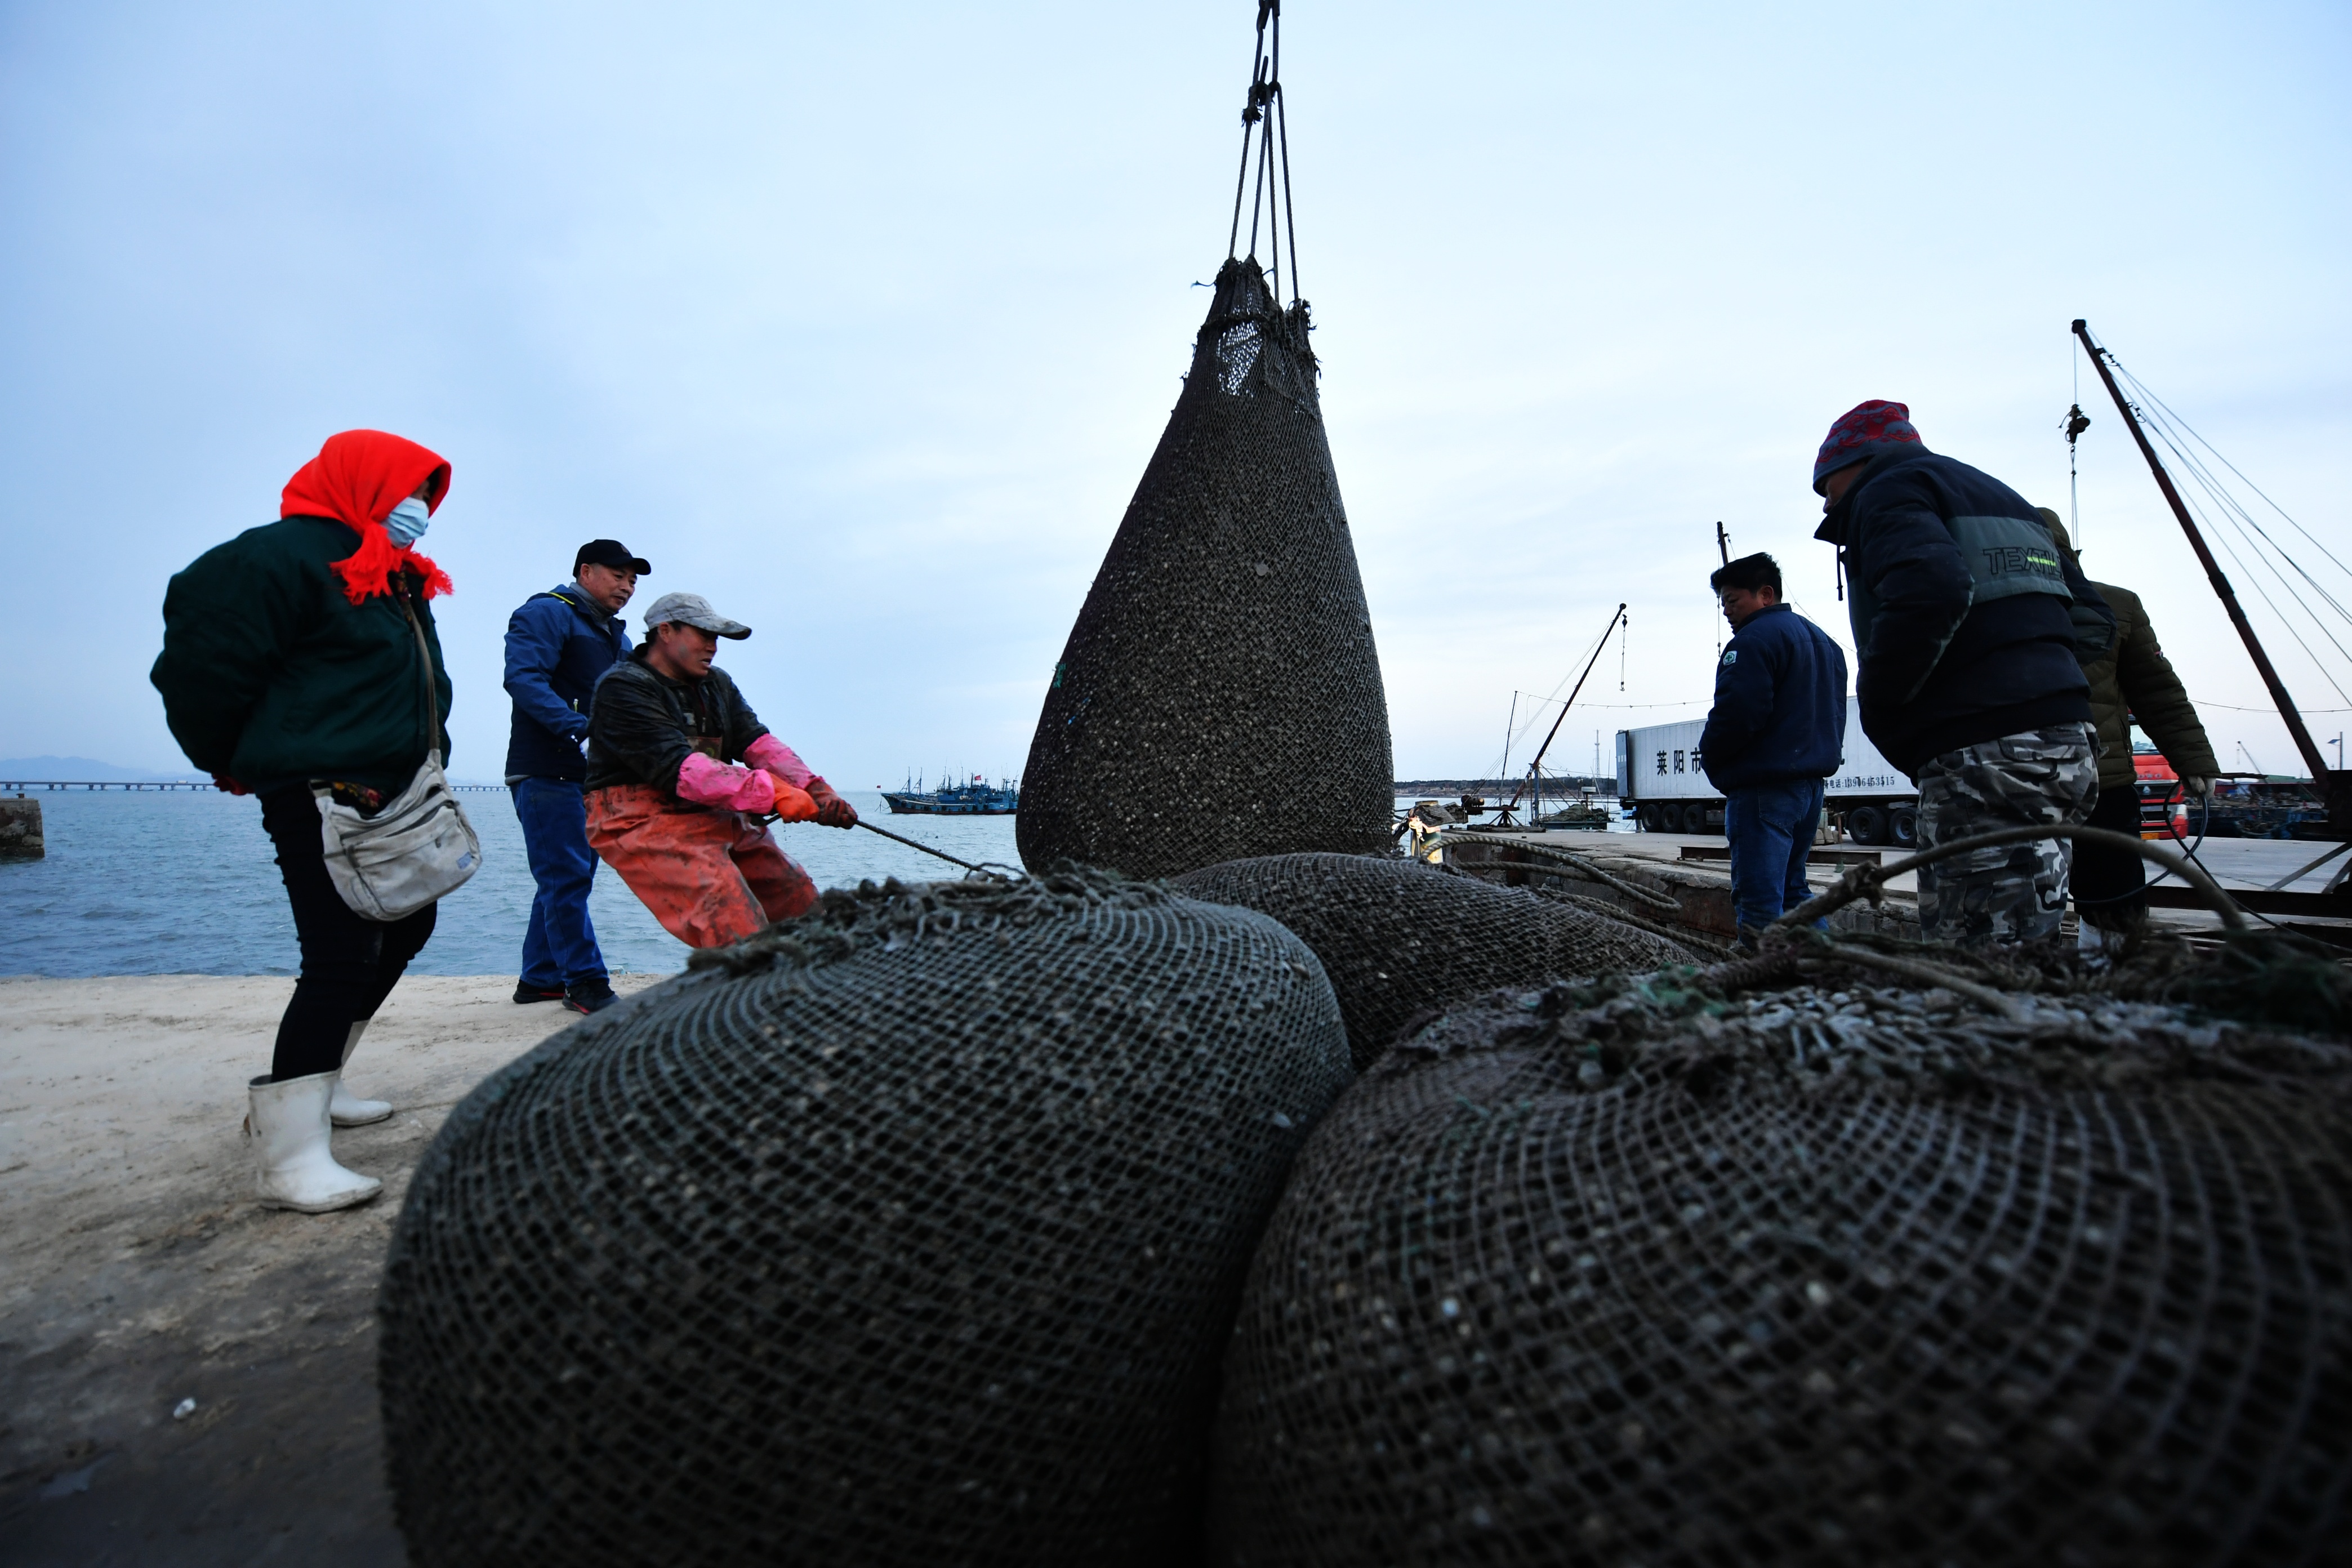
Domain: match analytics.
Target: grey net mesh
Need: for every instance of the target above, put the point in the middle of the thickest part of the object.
(1638, 1274)
(908, 1233)
(1398, 938)
(1219, 694)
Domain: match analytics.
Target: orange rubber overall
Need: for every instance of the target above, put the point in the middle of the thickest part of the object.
(710, 877)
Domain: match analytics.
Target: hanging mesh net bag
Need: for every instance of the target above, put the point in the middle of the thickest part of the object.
(1219, 694)
(1656, 1271)
(910, 1232)
(1398, 938)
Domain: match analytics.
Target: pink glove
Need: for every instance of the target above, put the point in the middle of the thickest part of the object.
(707, 782)
(778, 759)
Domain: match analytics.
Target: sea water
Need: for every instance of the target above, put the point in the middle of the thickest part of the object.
(185, 882)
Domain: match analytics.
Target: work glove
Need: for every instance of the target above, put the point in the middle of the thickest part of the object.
(2198, 789)
(792, 803)
(229, 785)
(832, 811)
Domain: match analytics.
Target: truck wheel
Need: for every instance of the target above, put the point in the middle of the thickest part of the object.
(1694, 818)
(1903, 825)
(1867, 824)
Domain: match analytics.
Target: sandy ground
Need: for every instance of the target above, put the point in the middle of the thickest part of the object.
(136, 1272)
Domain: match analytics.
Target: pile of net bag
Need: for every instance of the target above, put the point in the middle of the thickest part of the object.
(1822, 1269)
(910, 1232)
(1398, 938)
(1219, 694)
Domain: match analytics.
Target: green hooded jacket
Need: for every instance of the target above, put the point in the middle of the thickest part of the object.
(2134, 682)
(271, 675)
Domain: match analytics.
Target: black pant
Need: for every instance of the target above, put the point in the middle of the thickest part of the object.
(349, 964)
(2107, 881)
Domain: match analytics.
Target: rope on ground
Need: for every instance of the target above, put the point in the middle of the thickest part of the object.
(1683, 936)
(1546, 851)
(1867, 881)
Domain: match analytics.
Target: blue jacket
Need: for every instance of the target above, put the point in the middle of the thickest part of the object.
(558, 645)
(1968, 623)
(1780, 704)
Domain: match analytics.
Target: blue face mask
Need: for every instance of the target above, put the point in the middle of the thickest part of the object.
(408, 522)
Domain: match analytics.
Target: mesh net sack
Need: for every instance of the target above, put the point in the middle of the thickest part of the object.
(908, 1233)
(1645, 1273)
(1219, 694)
(1398, 938)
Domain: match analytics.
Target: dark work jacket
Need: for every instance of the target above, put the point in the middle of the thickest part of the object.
(558, 645)
(271, 676)
(1780, 704)
(2132, 682)
(641, 726)
(1968, 623)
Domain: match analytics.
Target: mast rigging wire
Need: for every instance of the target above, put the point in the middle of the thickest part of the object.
(1500, 769)
(2233, 525)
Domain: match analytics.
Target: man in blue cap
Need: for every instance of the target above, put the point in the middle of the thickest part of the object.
(558, 645)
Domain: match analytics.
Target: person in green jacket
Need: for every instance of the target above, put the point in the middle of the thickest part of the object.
(298, 655)
(2132, 682)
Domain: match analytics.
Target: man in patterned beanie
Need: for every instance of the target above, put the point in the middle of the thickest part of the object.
(1968, 626)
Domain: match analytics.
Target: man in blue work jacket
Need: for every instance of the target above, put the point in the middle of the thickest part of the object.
(1776, 732)
(558, 645)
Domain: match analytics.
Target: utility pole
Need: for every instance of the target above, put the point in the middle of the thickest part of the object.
(2331, 782)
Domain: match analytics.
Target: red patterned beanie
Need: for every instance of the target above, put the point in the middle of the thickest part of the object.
(1862, 432)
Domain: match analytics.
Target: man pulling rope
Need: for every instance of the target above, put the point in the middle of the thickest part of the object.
(680, 773)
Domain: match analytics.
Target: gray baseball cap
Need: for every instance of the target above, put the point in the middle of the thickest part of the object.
(693, 610)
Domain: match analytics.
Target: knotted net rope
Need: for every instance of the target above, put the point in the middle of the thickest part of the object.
(1398, 939)
(1219, 694)
(1733, 1268)
(909, 1232)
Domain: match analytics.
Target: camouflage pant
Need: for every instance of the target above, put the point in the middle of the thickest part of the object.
(2017, 890)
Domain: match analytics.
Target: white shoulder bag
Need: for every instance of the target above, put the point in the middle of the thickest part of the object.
(419, 847)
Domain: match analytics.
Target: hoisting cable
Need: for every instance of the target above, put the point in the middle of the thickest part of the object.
(1253, 111)
(1266, 121)
(1282, 124)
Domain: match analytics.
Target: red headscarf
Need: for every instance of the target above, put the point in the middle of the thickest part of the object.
(357, 478)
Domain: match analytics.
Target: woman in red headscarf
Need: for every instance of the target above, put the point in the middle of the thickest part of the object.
(291, 661)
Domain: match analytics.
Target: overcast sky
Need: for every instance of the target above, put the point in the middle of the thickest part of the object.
(863, 321)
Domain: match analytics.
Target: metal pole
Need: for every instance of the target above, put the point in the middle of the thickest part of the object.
(2313, 757)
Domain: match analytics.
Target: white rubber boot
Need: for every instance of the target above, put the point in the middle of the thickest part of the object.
(348, 1110)
(290, 1132)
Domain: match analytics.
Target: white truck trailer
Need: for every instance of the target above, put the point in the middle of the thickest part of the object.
(1660, 781)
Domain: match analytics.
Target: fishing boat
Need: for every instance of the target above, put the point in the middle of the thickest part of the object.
(975, 798)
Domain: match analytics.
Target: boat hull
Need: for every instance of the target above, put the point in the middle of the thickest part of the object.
(905, 803)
